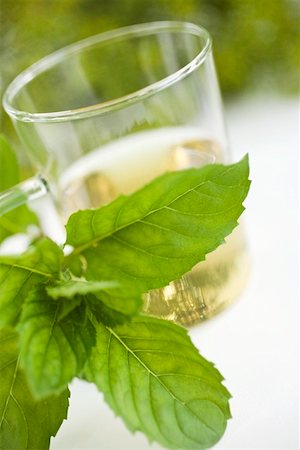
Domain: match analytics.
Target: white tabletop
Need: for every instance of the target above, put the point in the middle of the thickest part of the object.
(254, 343)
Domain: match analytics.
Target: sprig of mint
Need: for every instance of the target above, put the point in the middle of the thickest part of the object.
(81, 315)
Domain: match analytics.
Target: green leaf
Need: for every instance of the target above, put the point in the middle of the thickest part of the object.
(55, 344)
(108, 309)
(154, 378)
(18, 274)
(106, 294)
(25, 424)
(106, 315)
(160, 232)
(71, 288)
(18, 220)
(66, 306)
(43, 257)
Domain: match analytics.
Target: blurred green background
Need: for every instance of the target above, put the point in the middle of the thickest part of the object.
(256, 43)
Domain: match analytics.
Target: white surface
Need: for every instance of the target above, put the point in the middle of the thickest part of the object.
(255, 342)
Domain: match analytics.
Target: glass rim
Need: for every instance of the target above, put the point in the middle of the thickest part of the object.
(56, 57)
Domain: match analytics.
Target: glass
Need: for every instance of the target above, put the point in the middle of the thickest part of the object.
(104, 116)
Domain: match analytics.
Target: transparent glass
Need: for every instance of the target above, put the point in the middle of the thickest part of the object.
(108, 114)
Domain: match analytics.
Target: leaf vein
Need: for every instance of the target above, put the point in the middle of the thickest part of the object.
(142, 250)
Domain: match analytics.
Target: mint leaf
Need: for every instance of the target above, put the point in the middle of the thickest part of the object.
(54, 346)
(102, 290)
(71, 288)
(18, 274)
(43, 257)
(25, 424)
(15, 284)
(154, 378)
(18, 220)
(105, 314)
(66, 306)
(160, 232)
(77, 290)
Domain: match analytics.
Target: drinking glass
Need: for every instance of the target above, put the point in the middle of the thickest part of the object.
(106, 115)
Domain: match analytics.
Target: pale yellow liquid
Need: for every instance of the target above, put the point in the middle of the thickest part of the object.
(128, 164)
